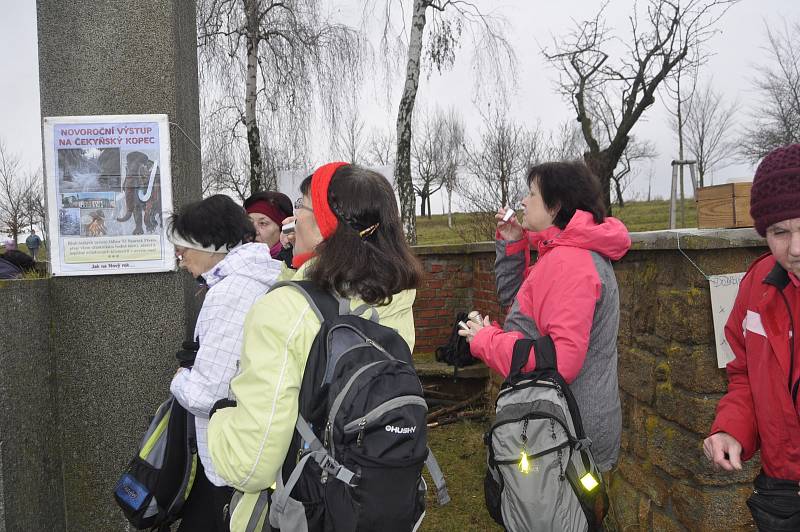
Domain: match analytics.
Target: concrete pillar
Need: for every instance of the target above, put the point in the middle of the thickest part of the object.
(113, 338)
(30, 474)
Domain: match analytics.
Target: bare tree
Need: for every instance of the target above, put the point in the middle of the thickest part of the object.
(635, 152)
(348, 137)
(496, 167)
(709, 123)
(224, 156)
(381, 147)
(776, 120)
(565, 143)
(35, 211)
(15, 193)
(452, 149)
(679, 88)
(437, 154)
(660, 40)
(426, 159)
(283, 56)
(494, 58)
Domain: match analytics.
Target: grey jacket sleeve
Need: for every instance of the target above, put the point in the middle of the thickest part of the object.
(508, 273)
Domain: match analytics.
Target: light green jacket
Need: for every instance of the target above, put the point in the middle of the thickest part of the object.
(248, 443)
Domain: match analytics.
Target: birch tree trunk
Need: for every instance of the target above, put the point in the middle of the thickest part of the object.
(449, 208)
(680, 155)
(251, 88)
(402, 168)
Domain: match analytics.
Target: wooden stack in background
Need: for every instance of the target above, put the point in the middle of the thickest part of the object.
(724, 206)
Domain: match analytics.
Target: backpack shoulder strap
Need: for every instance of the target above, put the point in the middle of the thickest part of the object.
(324, 305)
(543, 349)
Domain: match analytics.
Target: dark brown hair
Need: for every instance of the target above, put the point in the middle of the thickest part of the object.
(374, 267)
(568, 186)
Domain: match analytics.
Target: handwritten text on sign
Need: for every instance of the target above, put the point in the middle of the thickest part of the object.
(723, 293)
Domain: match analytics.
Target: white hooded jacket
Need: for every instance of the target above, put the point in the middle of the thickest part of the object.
(234, 284)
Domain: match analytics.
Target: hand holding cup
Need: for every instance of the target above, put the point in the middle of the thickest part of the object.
(507, 224)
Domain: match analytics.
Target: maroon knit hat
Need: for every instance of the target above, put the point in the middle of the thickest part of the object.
(775, 195)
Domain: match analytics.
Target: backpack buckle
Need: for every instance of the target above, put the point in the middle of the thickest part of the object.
(584, 443)
(331, 467)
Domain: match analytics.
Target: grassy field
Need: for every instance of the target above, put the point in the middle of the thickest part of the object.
(460, 452)
(637, 216)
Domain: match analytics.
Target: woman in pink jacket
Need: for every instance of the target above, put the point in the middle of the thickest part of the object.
(569, 293)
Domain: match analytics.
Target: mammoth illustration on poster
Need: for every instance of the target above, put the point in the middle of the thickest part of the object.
(142, 189)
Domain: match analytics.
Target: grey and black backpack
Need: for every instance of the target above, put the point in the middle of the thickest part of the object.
(541, 474)
(355, 460)
(156, 483)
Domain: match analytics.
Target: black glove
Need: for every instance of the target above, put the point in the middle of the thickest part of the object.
(187, 353)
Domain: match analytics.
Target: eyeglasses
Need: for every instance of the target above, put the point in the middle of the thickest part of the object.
(298, 205)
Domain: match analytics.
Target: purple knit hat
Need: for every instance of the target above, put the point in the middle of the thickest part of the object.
(775, 195)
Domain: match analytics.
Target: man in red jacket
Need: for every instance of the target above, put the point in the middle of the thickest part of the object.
(760, 410)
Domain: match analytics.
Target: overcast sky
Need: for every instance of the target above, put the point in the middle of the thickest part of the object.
(532, 23)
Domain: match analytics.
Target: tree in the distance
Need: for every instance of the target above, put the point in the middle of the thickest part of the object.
(270, 67)
(17, 190)
(495, 166)
(381, 147)
(775, 121)
(660, 40)
(709, 126)
(445, 21)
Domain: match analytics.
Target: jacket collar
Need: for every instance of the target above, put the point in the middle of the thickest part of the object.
(777, 277)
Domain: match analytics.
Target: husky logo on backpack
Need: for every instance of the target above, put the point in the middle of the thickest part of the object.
(360, 442)
(541, 474)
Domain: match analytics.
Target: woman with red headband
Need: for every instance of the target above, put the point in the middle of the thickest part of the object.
(349, 241)
(267, 211)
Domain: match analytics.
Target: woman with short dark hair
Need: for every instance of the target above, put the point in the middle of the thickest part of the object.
(570, 294)
(209, 238)
(349, 241)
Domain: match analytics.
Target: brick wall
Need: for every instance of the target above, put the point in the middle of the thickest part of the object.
(669, 382)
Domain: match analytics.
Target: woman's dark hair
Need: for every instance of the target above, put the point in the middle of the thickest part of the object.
(568, 186)
(215, 221)
(280, 200)
(376, 266)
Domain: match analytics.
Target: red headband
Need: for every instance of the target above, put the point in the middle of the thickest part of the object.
(267, 209)
(326, 219)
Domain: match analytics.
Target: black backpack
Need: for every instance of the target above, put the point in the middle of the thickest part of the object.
(355, 460)
(456, 351)
(156, 483)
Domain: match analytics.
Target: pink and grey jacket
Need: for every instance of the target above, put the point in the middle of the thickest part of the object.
(570, 293)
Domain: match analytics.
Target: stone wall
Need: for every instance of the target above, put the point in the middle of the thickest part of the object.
(669, 381)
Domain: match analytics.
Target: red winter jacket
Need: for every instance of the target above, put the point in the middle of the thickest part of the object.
(758, 409)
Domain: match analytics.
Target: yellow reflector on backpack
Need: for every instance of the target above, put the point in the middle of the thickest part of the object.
(589, 482)
(524, 466)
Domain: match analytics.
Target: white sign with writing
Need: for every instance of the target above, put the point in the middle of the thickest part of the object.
(723, 293)
(109, 190)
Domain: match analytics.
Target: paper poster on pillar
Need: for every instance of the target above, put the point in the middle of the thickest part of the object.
(109, 194)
